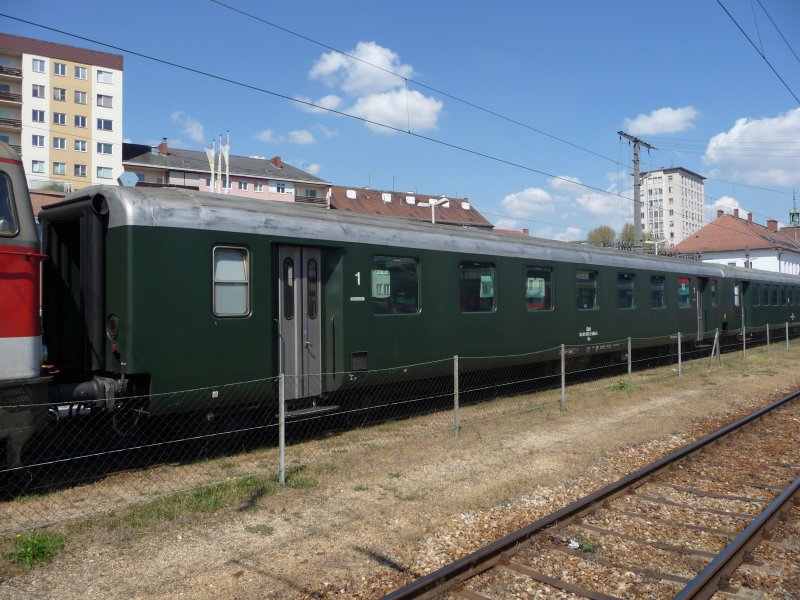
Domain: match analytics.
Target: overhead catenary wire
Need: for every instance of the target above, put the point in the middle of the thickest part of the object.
(256, 88)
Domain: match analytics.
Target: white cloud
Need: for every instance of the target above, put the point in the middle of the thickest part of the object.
(266, 135)
(506, 223)
(326, 131)
(331, 102)
(301, 137)
(726, 203)
(357, 77)
(528, 202)
(398, 109)
(313, 168)
(663, 120)
(758, 151)
(375, 87)
(561, 234)
(191, 127)
(599, 204)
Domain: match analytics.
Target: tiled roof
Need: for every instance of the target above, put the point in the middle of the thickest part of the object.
(454, 211)
(24, 45)
(729, 233)
(192, 160)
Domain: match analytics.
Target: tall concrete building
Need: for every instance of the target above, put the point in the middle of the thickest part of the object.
(61, 109)
(672, 204)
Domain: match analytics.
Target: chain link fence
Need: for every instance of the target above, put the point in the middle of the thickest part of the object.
(249, 435)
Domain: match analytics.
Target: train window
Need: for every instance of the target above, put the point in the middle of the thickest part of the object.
(476, 286)
(712, 290)
(231, 281)
(774, 295)
(763, 292)
(625, 295)
(8, 220)
(586, 288)
(311, 288)
(684, 297)
(288, 288)
(538, 288)
(395, 285)
(736, 300)
(657, 297)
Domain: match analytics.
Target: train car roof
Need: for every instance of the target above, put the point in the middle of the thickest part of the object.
(190, 209)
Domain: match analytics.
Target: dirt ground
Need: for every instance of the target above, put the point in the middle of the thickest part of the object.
(392, 502)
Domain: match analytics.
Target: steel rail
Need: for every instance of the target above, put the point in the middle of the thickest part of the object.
(708, 581)
(499, 550)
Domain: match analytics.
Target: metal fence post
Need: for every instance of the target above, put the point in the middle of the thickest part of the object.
(281, 430)
(787, 335)
(630, 365)
(767, 337)
(680, 365)
(563, 379)
(456, 415)
(744, 341)
(719, 343)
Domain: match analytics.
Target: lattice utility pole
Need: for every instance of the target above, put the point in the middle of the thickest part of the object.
(637, 203)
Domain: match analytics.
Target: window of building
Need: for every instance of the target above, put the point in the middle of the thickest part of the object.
(80, 171)
(104, 148)
(657, 297)
(60, 94)
(140, 178)
(311, 193)
(39, 65)
(586, 289)
(38, 91)
(80, 121)
(395, 285)
(231, 281)
(80, 145)
(59, 118)
(37, 141)
(763, 294)
(60, 69)
(105, 124)
(280, 187)
(625, 291)
(59, 143)
(37, 166)
(37, 116)
(208, 182)
(59, 168)
(258, 186)
(243, 186)
(104, 173)
(80, 97)
(476, 286)
(538, 288)
(105, 101)
(80, 72)
(774, 295)
(104, 76)
(684, 289)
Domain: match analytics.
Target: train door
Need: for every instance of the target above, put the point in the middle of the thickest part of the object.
(300, 351)
(707, 305)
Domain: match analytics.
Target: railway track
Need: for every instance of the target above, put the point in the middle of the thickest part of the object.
(678, 528)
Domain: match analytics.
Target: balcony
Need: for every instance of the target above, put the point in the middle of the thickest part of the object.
(10, 123)
(320, 201)
(10, 98)
(10, 72)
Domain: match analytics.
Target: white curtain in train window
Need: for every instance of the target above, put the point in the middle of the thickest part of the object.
(231, 282)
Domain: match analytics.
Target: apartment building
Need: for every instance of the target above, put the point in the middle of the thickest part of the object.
(61, 109)
(672, 204)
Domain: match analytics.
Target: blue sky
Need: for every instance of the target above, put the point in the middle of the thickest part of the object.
(678, 74)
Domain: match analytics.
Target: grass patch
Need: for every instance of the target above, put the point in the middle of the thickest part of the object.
(360, 488)
(394, 475)
(260, 529)
(36, 549)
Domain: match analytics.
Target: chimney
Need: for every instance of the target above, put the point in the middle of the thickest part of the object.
(276, 160)
(736, 212)
(163, 147)
(720, 212)
(526, 231)
(750, 218)
(772, 225)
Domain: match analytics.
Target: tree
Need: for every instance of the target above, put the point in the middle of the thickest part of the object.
(602, 236)
(626, 236)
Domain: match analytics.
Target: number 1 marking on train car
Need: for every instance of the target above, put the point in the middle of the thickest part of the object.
(358, 277)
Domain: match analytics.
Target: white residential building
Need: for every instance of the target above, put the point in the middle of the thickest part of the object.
(672, 204)
(61, 109)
